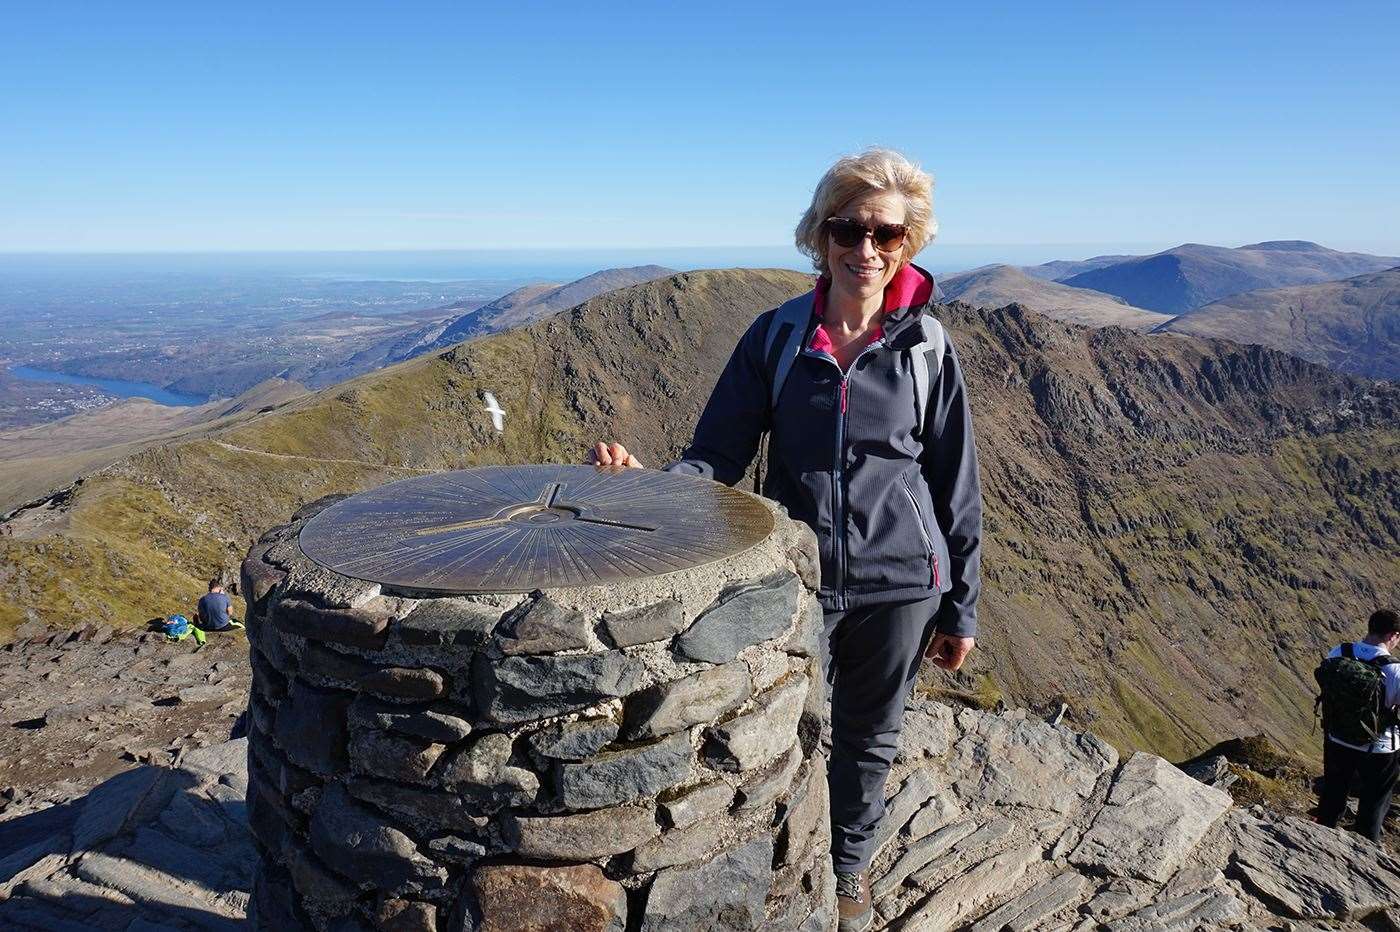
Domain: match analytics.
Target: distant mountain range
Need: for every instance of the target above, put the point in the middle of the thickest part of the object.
(337, 345)
(1176, 527)
(1185, 277)
(1000, 285)
(525, 305)
(1352, 325)
(1285, 294)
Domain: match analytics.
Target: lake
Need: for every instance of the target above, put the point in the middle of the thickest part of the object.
(119, 387)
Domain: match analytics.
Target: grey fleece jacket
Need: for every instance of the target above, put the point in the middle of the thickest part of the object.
(897, 516)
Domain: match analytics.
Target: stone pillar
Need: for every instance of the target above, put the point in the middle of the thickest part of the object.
(638, 756)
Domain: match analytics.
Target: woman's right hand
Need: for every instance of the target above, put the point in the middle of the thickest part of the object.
(612, 454)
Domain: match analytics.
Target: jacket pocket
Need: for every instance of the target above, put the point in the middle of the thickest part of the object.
(923, 530)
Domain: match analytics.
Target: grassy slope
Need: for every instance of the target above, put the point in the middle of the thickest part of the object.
(1167, 549)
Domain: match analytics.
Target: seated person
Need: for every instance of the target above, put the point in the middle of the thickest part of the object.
(213, 611)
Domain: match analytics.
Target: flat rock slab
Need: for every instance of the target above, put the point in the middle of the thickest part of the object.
(916, 790)
(448, 621)
(698, 802)
(746, 741)
(576, 898)
(574, 740)
(526, 688)
(162, 849)
(430, 724)
(1212, 908)
(927, 731)
(657, 622)
(1154, 818)
(742, 617)
(586, 835)
(700, 697)
(1030, 910)
(625, 775)
(1015, 760)
(311, 728)
(960, 897)
(1311, 872)
(357, 842)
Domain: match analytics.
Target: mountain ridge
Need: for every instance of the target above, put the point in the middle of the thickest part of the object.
(1000, 285)
(530, 303)
(1166, 518)
(1192, 274)
(1352, 325)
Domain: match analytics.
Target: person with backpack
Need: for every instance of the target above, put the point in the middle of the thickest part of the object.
(870, 443)
(1360, 692)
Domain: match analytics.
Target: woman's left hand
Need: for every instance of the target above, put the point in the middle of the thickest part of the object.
(949, 651)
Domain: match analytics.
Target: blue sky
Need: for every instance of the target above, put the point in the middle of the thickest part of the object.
(191, 126)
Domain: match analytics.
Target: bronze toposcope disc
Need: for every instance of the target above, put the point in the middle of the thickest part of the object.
(518, 528)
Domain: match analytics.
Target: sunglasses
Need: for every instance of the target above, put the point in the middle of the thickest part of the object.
(847, 233)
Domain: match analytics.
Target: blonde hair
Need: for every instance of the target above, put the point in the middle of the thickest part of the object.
(873, 171)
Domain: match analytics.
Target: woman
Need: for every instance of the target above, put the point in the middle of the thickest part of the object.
(889, 484)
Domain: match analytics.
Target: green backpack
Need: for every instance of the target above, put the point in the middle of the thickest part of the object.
(1353, 696)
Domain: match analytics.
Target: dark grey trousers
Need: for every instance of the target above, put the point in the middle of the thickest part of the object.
(870, 658)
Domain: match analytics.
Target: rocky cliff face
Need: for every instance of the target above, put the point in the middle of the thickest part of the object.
(1176, 528)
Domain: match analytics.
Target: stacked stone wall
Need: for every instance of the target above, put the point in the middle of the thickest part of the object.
(641, 756)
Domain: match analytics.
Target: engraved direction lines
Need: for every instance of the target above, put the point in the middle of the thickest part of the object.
(516, 528)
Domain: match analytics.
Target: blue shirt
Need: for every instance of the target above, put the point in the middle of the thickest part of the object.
(213, 611)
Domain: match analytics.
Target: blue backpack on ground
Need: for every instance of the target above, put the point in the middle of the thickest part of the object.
(178, 627)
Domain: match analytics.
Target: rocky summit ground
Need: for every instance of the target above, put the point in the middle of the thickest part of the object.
(79, 705)
(997, 820)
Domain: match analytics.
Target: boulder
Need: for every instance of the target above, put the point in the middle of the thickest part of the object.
(1002, 760)
(484, 769)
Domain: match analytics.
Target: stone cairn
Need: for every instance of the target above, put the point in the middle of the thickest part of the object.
(636, 756)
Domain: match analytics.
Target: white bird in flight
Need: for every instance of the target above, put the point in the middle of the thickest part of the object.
(497, 413)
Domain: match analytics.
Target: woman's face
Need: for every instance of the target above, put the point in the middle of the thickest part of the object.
(862, 270)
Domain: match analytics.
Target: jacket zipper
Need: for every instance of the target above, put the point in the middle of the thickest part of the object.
(923, 531)
(838, 472)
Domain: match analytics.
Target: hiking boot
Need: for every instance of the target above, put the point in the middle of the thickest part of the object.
(853, 901)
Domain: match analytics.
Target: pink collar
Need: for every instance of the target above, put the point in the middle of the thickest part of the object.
(908, 288)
